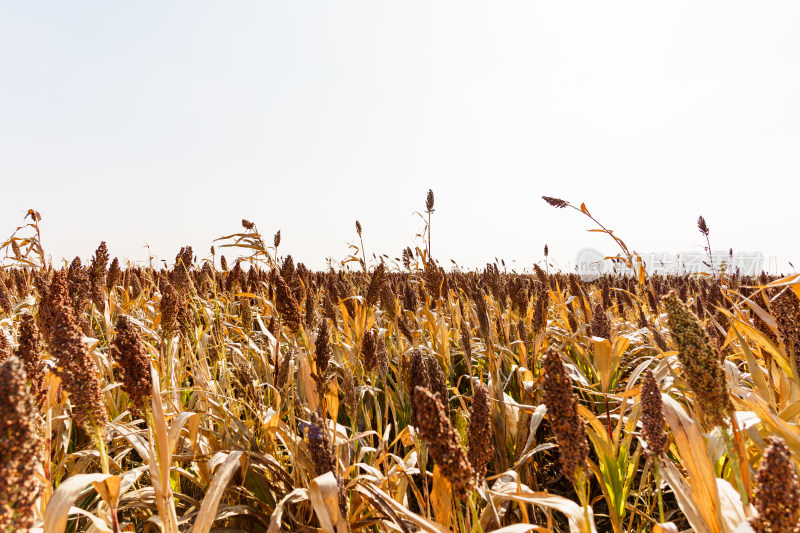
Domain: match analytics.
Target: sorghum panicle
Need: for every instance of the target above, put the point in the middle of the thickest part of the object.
(562, 410)
(701, 362)
(435, 427)
(777, 494)
(481, 441)
(20, 449)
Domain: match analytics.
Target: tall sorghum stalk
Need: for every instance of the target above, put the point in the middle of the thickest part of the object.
(429, 209)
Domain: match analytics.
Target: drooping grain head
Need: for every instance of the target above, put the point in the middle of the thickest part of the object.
(777, 494)
(701, 362)
(555, 202)
(562, 410)
(20, 449)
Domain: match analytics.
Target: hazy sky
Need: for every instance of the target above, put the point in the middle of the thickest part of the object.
(166, 123)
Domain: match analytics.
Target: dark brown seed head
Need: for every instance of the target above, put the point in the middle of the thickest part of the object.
(78, 281)
(435, 427)
(77, 370)
(480, 308)
(555, 202)
(5, 349)
(319, 444)
(358, 228)
(287, 304)
(417, 376)
(438, 381)
(322, 354)
(701, 362)
(29, 352)
(481, 441)
(465, 340)
(562, 410)
(114, 274)
(653, 424)
(429, 201)
(375, 285)
(170, 306)
(389, 302)
(786, 310)
(777, 496)
(410, 298)
(539, 320)
(276, 240)
(383, 356)
(246, 314)
(702, 226)
(369, 352)
(20, 450)
(541, 275)
(97, 276)
(323, 456)
(246, 224)
(601, 324)
(52, 295)
(130, 353)
(6, 301)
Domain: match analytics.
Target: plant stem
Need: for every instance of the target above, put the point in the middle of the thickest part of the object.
(101, 446)
(730, 448)
(582, 488)
(657, 476)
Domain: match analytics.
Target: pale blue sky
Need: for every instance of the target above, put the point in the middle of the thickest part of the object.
(167, 122)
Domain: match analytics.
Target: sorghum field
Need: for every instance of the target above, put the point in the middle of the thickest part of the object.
(256, 395)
